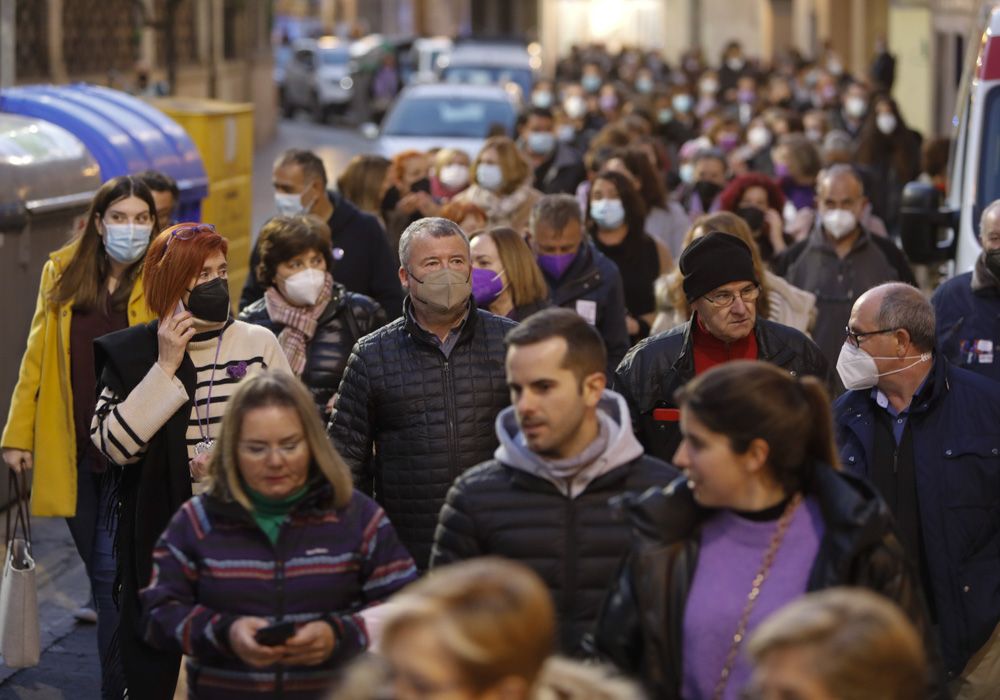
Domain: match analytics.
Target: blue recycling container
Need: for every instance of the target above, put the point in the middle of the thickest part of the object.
(124, 134)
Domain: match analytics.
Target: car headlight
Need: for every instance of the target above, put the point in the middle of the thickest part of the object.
(346, 83)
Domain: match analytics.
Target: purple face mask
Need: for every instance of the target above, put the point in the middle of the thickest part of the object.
(486, 286)
(781, 170)
(555, 266)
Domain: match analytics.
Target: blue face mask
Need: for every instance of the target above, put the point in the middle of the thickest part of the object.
(591, 82)
(541, 143)
(126, 243)
(608, 213)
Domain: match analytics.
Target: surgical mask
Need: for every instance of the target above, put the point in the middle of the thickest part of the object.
(855, 106)
(555, 266)
(857, 369)
(489, 176)
(542, 99)
(814, 135)
(735, 63)
(442, 290)
(758, 137)
(686, 172)
(746, 96)
(781, 170)
(682, 103)
(708, 86)
(608, 102)
(304, 287)
(728, 141)
(126, 243)
(575, 107)
(291, 204)
(210, 301)
(454, 176)
(886, 123)
(608, 213)
(665, 115)
(644, 85)
(591, 82)
(541, 143)
(839, 222)
(566, 132)
(486, 286)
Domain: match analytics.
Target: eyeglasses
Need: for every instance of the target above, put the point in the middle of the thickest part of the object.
(855, 338)
(259, 450)
(725, 299)
(185, 232)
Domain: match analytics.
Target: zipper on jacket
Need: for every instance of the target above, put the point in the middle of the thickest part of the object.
(570, 563)
(449, 419)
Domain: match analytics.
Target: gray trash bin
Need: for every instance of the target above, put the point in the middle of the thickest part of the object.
(47, 179)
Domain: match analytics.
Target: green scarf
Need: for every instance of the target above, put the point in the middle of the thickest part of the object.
(271, 513)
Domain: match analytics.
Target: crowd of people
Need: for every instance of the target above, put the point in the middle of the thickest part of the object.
(647, 383)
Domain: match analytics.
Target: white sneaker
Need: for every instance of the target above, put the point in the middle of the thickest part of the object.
(85, 614)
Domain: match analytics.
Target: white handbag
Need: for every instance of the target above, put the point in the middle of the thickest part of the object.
(20, 637)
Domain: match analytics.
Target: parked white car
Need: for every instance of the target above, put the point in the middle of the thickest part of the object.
(441, 115)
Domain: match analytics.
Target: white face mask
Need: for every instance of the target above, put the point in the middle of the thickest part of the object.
(303, 288)
(454, 176)
(290, 204)
(855, 106)
(489, 176)
(839, 222)
(686, 172)
(758, 137)
(886, 123)
(575, 107)
(857, 369)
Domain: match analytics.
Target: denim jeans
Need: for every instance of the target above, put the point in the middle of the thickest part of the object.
(93, 532)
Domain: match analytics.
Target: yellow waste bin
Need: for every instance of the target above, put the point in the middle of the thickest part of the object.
(223, 133)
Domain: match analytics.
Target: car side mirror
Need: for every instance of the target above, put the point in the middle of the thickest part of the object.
(369, 130)
(922, 223)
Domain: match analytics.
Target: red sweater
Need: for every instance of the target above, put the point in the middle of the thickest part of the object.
(709, 351)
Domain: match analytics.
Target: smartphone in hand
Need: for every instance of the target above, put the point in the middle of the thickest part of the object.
(276, 634)
(179, 309)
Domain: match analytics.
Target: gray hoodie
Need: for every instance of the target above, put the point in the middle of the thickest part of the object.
(614, 446)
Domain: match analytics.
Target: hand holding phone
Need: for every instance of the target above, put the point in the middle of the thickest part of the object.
(276, 634)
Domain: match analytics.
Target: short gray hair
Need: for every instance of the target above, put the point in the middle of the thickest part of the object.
(991, 208)
(433, 226)
(555, 211)
(840, 170)
(905, 307)
(311, 164)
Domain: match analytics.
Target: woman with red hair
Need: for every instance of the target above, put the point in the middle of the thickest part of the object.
(163, 388)
(758, 200)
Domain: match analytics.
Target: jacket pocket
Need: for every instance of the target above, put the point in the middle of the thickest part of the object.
(971, 471)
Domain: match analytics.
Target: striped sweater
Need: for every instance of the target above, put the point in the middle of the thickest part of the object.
(123, 426)
(213, 564)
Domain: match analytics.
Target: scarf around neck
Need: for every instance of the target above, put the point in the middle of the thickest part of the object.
(300, 322)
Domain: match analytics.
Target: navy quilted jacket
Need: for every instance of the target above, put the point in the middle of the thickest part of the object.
(428, 417)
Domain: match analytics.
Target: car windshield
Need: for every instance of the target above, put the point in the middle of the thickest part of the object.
(441, 116)
(989, 155)
(489, 75)
(334, 57)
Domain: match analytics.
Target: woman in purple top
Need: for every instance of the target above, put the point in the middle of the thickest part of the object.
(260, 581)
(762, 515)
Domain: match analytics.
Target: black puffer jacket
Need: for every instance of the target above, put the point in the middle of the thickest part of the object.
(347, 318)
(641, 626)
(575, 545)
(658, 366)
(429, 417)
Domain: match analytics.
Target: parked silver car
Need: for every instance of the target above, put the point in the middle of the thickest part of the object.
(318, 78)
(440, 115)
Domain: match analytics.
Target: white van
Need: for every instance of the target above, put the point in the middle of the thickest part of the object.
(934, 231)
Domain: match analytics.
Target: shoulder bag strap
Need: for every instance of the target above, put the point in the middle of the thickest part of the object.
(21, 495)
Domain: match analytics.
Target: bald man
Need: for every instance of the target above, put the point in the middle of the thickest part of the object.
(927, 434)
(968, 306)
(840, 259)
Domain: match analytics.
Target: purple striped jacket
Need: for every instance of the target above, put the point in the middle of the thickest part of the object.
(213, 564)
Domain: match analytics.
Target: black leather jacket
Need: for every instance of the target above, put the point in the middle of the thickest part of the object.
(658, 366)
(347, 318)
(429, 417)
(641, 626)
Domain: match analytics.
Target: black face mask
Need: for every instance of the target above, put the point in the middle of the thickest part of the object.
(421, 185)
(707, 192)
(993, 262)
(210, 301)
(753, 216)
(391, 199)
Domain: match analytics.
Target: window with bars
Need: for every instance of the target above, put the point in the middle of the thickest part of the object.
(100, 35)
(185, 30)
(31, 55)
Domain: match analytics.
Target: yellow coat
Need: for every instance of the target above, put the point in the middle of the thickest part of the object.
(41, 409)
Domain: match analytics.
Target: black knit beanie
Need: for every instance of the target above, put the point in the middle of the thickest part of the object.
(713, 260)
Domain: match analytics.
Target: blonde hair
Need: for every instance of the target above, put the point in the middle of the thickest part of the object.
(725, 222)
(513, 166)
(445, 155)
(494, 617)
(273, 388)
(527, 286)
(863, 646)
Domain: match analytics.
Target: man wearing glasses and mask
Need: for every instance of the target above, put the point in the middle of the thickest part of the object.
(722, 290)
(927, 435)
